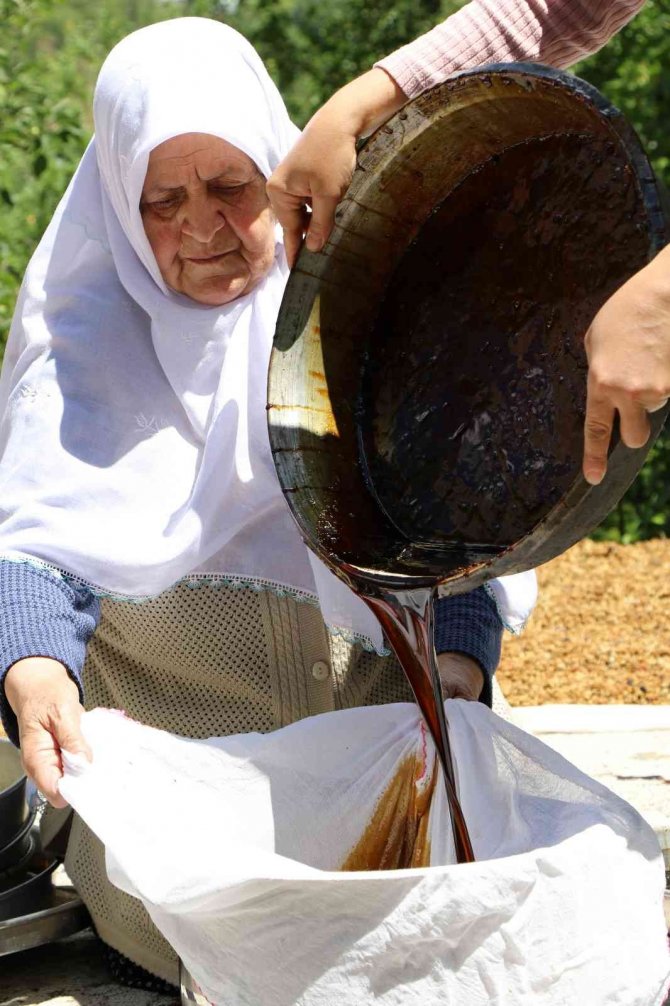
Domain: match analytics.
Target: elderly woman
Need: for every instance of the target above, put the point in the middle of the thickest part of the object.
(136, 463)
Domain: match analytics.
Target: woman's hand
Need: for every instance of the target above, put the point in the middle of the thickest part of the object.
(318, 170)
(628, 349)
(46, 703)
(461, 676)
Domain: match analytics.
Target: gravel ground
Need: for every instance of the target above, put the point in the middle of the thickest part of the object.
(600, 632)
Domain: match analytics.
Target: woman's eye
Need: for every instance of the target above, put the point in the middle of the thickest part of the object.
(164, 204)
(161, 205)
(229, 191)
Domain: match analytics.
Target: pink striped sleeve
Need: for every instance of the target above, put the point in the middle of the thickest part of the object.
(557, 32)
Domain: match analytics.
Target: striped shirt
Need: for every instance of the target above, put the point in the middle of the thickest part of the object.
(557, 32)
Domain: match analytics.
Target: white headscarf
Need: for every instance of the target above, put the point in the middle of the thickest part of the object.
(134, 437)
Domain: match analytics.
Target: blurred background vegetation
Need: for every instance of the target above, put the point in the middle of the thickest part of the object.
(50, 52)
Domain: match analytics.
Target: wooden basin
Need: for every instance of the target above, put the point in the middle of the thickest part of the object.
(427, 383)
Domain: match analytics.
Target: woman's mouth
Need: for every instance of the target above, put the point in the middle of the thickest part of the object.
(201, 259)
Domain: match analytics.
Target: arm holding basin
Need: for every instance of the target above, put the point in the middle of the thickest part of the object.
(555, 32)
(319, 168)
(628, 348)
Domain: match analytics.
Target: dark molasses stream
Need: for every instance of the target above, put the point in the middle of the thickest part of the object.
(406, 618)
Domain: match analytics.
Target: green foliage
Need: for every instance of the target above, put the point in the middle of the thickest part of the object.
(633, 71)
(50, 52)
(644, 512)
(311, 48)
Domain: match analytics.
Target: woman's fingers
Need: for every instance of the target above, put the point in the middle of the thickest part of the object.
(321, 222)
(316, 173)
(657, 405)
(461, 676)
(46, 703)
(45, 732)
(633, 423)
(41, 755)
(291, 211)
(628, 349)
(597, 433)
(598, 424)
(319, 168)
(293, 225)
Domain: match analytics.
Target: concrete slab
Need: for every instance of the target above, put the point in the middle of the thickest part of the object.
(625, 747)
(592, 719)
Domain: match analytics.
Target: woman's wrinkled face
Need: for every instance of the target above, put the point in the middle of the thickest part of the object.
(207, 218)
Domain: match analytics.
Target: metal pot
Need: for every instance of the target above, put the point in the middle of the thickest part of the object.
(30, 891)
(18, 851)
(62, 914)
(427, 382)
(13, 802)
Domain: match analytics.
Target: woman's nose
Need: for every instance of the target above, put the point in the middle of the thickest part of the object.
(202, 219)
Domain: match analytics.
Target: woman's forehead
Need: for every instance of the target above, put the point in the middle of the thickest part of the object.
(191, 156)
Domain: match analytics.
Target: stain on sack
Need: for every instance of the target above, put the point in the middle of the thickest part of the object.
(396, 837)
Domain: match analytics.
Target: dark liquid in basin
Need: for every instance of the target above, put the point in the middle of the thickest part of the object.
(473, 392)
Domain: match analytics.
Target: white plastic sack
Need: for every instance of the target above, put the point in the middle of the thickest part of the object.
(233, 843)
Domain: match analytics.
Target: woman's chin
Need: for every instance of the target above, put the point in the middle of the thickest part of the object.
(215, 291)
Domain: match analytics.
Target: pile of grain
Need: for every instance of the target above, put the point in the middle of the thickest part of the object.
(601, 629)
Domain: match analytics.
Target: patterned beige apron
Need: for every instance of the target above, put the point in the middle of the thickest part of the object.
(205, 662)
